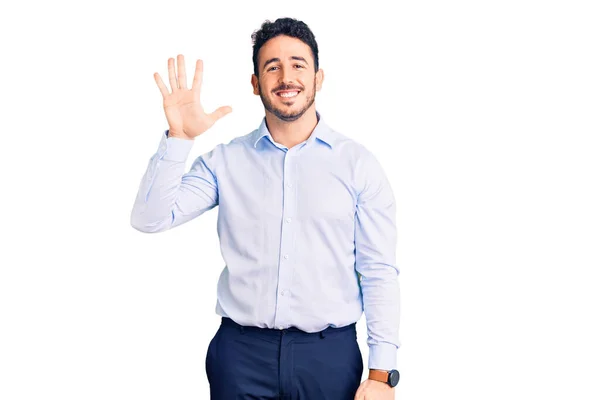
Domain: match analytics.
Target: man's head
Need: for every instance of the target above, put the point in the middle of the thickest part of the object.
(286, 58)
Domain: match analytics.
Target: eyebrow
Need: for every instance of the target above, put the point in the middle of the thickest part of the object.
(275, 59)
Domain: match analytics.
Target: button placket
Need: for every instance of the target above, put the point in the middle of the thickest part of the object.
(285, 266)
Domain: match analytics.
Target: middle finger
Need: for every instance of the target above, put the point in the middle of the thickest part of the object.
(181, 72)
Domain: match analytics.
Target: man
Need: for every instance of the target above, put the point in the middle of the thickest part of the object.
(306, 226)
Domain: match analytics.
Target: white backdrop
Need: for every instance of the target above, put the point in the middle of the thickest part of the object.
(485, 116)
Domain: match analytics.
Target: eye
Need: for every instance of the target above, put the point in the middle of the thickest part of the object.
(296, 65)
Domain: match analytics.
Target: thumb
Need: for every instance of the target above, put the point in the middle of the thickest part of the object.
(220, 112)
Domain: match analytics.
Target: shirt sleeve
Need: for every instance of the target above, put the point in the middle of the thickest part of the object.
(167, 196)
(375, 247)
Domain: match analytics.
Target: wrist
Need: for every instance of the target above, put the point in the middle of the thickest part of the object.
(377, 370)
(178, 135)
(390, 377)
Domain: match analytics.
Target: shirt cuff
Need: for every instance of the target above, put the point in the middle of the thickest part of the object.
(174, 149)
(382, 356)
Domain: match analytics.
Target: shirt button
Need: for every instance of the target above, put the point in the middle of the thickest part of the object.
(286, 256)
(281, 328)
(288, 220)
(283, 292)
(289, 185)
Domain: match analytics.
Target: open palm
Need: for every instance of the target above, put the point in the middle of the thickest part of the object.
(185, 115)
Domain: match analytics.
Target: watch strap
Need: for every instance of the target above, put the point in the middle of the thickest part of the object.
(377, 375)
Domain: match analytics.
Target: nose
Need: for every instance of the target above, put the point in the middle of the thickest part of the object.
(286, 75)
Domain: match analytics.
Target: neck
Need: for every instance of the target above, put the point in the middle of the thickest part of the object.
(291, 133)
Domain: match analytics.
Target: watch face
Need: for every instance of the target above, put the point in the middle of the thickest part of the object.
(393, 377)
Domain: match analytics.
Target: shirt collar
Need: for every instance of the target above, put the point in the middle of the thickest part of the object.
(322, 132)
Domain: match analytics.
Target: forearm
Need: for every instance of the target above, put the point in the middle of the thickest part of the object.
(381, 299)
(153, 210)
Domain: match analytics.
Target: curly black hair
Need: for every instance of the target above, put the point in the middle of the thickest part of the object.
(283, 26)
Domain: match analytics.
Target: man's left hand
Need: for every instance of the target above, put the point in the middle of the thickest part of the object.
(374, 390)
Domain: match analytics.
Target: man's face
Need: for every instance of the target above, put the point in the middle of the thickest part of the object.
(285, 64)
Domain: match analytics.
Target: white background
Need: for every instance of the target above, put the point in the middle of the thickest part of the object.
(484, 114)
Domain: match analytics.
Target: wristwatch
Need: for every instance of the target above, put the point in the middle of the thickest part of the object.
(390, 377)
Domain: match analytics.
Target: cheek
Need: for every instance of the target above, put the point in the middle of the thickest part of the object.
(268, 83)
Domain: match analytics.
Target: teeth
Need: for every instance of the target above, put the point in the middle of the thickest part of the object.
(288, 94)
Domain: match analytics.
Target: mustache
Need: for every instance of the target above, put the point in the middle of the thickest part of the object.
(287, 88)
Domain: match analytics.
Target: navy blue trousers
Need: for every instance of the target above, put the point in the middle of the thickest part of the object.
(244, 363)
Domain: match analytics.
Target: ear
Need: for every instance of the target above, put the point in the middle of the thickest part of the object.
(319, 77)
(254, 81)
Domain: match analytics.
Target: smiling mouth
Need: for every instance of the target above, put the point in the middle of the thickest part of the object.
(288, 94)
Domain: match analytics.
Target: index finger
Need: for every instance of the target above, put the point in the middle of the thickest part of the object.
(197, 83)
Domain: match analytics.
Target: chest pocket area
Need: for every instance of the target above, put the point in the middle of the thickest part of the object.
(324, 195)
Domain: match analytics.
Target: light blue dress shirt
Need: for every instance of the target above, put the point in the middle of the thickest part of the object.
(308, 234)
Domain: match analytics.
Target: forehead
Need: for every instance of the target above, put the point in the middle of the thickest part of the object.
(284, 47)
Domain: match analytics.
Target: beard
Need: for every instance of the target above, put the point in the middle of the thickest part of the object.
(286, 113)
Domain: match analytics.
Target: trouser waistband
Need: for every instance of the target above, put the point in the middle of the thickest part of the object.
(269, 331)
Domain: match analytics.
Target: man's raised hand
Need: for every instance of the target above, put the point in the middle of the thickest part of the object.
(185, 115)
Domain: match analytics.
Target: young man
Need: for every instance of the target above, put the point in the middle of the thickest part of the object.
(306, 226)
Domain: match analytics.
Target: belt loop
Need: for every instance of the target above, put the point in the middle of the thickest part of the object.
(242, 329)
(322, 334)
